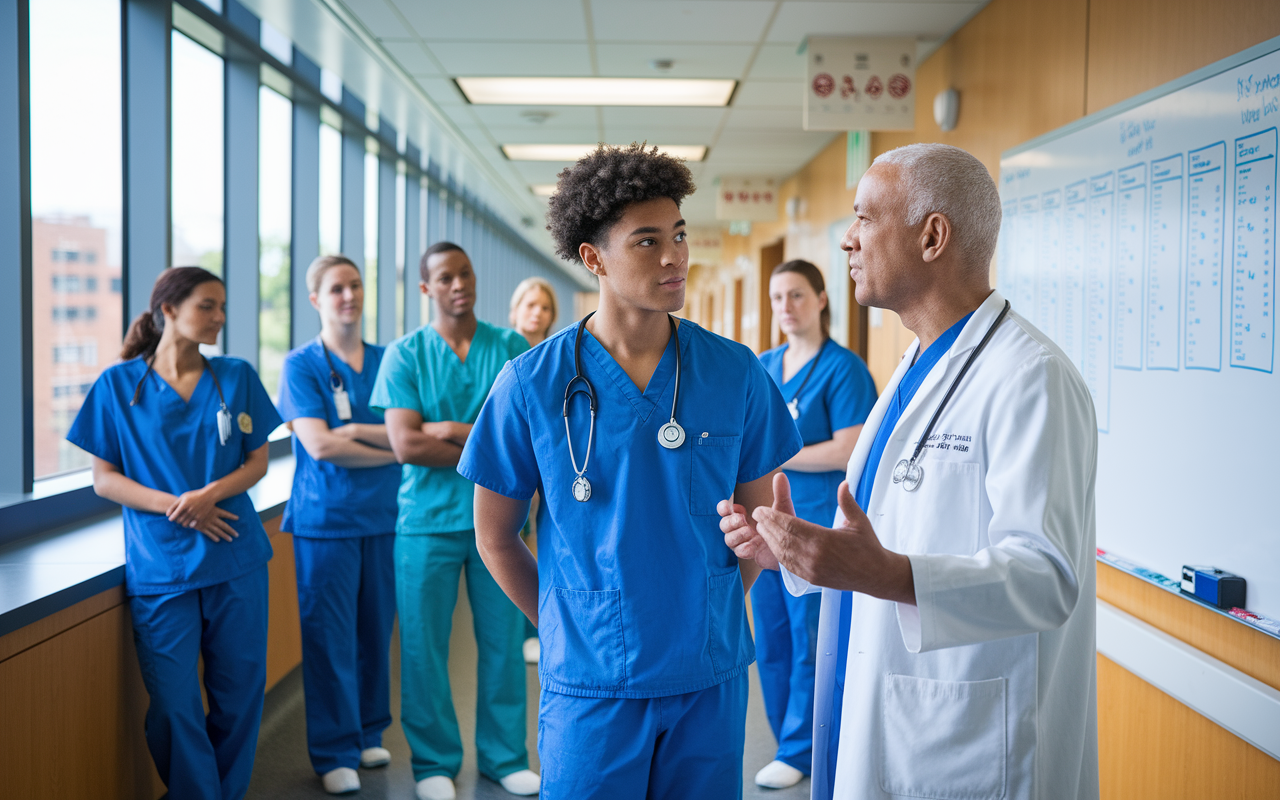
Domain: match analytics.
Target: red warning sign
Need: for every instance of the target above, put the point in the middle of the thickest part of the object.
(823, 84)
(874, 87)
(899, 86)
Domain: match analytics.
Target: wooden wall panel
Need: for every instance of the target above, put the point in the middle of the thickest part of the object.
(1136, 45)
(284, 632)
(1152, 747)
(72, 709)
(72, 702)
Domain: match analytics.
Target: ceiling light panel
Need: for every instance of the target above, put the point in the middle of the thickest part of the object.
(543, 189)
(573, 152)
(597, 91)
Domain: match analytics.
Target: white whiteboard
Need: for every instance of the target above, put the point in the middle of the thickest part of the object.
(1142, 240)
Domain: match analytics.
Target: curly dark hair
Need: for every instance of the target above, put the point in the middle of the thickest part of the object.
(594, 193)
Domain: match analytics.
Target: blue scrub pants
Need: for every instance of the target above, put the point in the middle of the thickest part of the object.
(427, 572)
(662, 748)
(786, 630)
(347, 601)
(203, 757)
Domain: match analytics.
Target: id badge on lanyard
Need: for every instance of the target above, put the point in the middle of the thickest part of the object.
(224, 425)
(343, 403)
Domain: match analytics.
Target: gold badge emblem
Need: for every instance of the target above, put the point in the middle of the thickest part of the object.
(246, 422)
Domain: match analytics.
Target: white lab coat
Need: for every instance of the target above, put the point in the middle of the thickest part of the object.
(987, 687)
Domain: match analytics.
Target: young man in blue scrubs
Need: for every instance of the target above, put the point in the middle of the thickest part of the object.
(178, 439)
(639, 604)
(342, 514)
(430, 386)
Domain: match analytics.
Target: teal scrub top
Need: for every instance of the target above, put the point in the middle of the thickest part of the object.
(329, 501)
(171, 445)
(419, 371)
(638, 595)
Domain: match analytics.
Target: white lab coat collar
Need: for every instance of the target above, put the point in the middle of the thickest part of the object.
(968, 339)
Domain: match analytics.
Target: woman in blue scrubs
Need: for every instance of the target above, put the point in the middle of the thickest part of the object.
(178, 439)
(639, 603)
(342, 514)
(829, 392)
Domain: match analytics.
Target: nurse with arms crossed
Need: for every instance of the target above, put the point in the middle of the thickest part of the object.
(631, 426)
(829, 393)
(431, 385)
(342, 514)
(177, 439)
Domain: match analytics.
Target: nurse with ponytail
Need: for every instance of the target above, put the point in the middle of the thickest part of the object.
(177, 439)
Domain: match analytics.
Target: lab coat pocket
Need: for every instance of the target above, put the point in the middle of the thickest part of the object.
(584, 630)
(944, 739)
(715, 467)
(730, 640)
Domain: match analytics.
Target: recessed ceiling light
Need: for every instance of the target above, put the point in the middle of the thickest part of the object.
(543, 189)
(597, 91)
(573, 152)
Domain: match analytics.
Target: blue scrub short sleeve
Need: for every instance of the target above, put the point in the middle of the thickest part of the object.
(94, 429)
(301, 394)
(499, 454)
(396, 385)
(770, 436)
(261, 410)
(850, 394)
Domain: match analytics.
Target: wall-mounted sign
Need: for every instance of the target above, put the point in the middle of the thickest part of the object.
(705, 245)
(860, 83)
(752, 199)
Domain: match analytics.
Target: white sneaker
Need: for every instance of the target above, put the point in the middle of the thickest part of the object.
(371, 757)
(342, 780)
(777, 775)
(531, 650)
(525, 782)
(437, 787)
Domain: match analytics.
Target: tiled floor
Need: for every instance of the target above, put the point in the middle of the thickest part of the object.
(282, 771)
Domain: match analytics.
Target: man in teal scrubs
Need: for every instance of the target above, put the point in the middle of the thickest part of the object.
(431, 385)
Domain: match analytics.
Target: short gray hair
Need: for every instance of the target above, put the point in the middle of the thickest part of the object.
(939, 178)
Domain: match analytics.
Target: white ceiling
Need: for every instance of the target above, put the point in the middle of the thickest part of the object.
(753, 41)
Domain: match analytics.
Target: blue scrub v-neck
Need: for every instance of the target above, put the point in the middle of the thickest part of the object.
(644, 402)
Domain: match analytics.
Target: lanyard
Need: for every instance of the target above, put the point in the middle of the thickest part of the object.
(794, 404)
(224, 414)
(341, 400)
(908, 472)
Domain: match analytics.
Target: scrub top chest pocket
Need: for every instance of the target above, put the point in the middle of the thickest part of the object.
(713, 474)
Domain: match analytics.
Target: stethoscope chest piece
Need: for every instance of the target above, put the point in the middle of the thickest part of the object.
(909, 474)
(671, 435)
(794, 408)
(581, 489)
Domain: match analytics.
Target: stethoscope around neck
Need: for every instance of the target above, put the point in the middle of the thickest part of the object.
(670, 435)
(909, 473)
(224, 413)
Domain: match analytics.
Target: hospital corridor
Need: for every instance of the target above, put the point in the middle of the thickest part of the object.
(639, 399)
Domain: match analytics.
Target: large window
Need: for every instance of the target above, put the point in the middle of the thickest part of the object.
(330, 190)
(275, 173)
(371, 243)
(76, 202)
(196, 155)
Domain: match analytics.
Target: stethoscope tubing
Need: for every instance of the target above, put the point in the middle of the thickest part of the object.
(956, 383)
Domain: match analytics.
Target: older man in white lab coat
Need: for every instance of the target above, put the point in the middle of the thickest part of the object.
(968, 584)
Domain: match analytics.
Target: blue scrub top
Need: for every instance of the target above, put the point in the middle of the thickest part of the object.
(840, 395)
(329, 501)
(419, 371)
(638, 595)
(171, 445)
